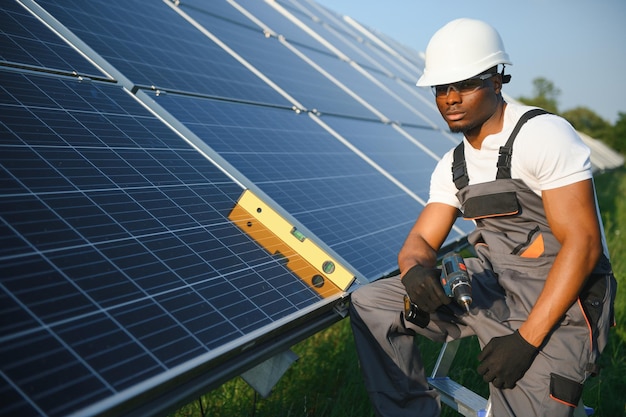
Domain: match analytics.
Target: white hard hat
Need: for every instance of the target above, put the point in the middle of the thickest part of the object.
(462, 49)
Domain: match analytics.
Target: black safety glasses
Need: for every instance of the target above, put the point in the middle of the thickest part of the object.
(462, 87)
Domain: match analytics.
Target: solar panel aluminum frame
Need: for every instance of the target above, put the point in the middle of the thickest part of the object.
(178, 386)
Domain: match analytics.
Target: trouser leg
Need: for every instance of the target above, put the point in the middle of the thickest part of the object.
(551, 387)
(553, 384)
(556, 370)
(393, 370)
(390, 361)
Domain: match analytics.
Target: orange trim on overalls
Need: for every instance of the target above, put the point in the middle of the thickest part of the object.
(563, 402)
(580, 305)
(535, 249)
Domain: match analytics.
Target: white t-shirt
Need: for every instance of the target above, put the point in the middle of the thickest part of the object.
(547, 154)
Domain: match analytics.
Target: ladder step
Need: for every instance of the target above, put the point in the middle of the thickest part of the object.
(462, 399)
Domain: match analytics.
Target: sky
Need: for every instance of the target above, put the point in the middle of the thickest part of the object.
(578, 45)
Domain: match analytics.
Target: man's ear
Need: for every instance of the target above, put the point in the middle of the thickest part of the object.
(497, 83)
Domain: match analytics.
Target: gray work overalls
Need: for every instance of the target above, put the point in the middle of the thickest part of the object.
(515, 250)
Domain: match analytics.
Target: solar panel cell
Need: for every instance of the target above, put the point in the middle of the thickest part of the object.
(96, 276)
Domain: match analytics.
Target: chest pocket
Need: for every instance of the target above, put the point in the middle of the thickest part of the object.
(491, 205)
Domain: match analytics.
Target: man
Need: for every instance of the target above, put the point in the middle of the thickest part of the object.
(542, 283)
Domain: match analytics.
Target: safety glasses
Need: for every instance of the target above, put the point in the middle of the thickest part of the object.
(462, 87)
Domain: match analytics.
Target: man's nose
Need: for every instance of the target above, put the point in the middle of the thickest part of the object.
(453, 96)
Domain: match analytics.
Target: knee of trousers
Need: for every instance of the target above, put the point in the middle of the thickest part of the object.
(360, 304)
(385, 295)
(378, 305)
(362, 297)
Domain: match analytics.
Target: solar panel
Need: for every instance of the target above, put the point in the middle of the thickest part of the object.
(26, 42)
(119, 260)
(331, 190)
(184, 196)
(309, 87)
(151, 45)
(308, 83)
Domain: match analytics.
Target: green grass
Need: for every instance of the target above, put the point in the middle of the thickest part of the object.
(326, 381)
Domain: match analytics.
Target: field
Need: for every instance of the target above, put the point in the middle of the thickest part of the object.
(326, 381)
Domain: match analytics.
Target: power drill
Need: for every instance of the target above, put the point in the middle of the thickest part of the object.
(456, 284)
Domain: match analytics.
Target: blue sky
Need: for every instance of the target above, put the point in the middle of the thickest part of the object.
(579, 45)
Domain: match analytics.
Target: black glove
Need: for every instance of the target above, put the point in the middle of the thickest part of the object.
(504, 360)
(424, 288)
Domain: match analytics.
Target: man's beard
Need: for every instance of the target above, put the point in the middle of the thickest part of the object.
(465, 127)
(462, 129)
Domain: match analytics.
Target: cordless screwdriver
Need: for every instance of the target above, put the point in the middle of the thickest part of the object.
(455, 280)
(456, 284)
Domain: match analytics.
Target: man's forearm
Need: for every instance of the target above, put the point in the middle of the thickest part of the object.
(562, 288)
(426, 236)
(416, 251)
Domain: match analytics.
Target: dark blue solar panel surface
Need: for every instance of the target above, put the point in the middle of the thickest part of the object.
(152, 45)
(335, 32)
(400, 156)
(291, 73)
(25, 40)
(276, 22)
(316, 178)
(382, 54)
(117, 260)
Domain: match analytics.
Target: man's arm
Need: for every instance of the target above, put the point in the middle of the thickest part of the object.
(571, 214)
(426, 236)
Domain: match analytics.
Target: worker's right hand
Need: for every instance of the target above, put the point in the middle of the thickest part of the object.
(424, 288)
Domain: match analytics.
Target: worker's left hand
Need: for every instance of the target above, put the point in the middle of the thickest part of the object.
(504, 360)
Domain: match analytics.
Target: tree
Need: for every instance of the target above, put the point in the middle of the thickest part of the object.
(583, 119)
(546, 94)
(616, 135)
(587, 121)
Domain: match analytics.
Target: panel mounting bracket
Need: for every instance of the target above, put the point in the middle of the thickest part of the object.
(265, 375)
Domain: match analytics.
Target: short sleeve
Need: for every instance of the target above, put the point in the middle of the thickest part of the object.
(442, 189)
(552, 153)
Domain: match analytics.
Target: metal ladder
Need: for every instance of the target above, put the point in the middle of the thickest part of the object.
(465, 401)
(453, 394)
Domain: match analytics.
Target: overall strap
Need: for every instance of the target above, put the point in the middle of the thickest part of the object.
(459, 168)
(506, 151)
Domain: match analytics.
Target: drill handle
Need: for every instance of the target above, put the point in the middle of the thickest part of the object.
(414, 314)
